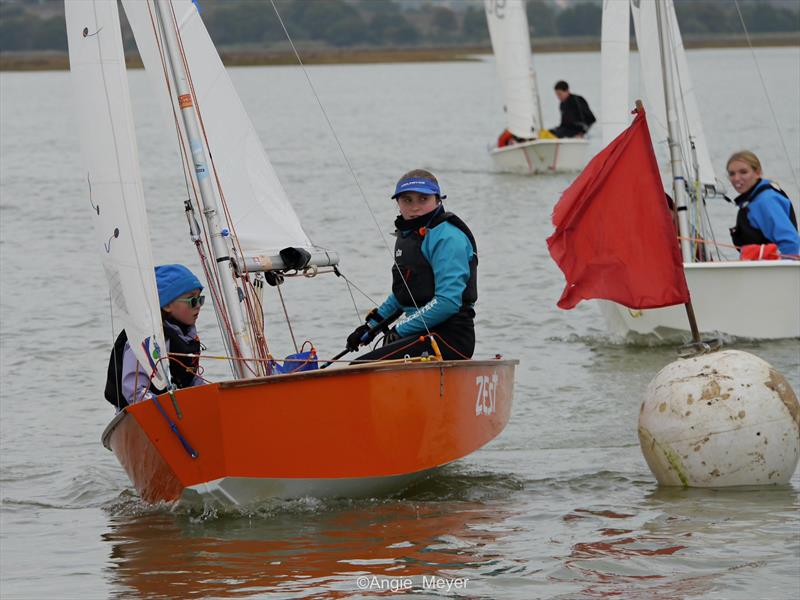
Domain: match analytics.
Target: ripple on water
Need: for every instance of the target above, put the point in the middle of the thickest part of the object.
(535, 514)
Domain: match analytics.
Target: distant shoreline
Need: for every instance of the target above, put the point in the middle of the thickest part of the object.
(54, 61)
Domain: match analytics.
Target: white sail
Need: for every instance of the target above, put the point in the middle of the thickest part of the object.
(615, 58)
(260, 212)
(508, 29)
(689, 124)
(116, 199)
(691, 120)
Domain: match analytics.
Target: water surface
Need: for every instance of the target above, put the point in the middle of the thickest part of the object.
(562, 505)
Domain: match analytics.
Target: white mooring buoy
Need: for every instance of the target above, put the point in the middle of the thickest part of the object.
(722, 419)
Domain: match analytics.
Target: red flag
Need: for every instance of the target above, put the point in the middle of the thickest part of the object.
(614, 236)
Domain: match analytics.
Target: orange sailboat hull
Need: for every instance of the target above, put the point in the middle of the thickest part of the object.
(358, 431)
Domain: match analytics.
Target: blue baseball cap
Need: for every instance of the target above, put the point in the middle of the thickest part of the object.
(174, 281)
(417, 184)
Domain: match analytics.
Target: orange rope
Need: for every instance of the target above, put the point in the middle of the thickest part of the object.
(441, 339)
(709, 242)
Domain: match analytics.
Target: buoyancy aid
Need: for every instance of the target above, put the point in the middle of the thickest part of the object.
(182, 376)
(506, 138)
(744, 233)
(413, 272)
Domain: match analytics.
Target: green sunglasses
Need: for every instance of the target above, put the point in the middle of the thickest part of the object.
(194, 301)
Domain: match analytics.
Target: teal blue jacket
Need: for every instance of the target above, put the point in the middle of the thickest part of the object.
(448, 250)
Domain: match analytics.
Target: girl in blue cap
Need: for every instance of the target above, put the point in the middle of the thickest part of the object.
(179, 296)
(434, 278)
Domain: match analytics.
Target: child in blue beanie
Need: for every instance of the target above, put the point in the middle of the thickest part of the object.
(180, 300)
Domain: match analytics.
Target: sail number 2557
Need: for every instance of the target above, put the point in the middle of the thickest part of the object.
(486, 403)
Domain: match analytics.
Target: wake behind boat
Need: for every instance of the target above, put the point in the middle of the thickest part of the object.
(531, 153)
(352, 431)
(748, 299)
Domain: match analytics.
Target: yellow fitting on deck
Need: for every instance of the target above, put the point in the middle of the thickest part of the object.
(435, 347)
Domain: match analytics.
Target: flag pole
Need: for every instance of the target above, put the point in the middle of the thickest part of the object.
(680, 205)
(697, 345)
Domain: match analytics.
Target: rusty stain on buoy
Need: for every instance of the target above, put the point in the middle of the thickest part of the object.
(778, 384)
(710, 391)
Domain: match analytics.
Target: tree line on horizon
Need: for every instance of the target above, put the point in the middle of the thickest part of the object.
(32, 25)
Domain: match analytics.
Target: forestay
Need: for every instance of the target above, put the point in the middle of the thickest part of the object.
(116, 198)
(261, 215)
(508, 29)
(690, 126)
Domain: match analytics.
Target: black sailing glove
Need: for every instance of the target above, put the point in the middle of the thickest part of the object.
(362, 335)
(357, 338)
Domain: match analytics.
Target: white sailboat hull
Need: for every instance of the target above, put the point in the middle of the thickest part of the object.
(541, 156)
(246, 491)
(748, 299)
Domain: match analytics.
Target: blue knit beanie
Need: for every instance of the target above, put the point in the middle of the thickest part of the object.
(174, 281)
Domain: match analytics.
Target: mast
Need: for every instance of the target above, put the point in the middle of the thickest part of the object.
(538, 97)
(678, 176)
(239, 344)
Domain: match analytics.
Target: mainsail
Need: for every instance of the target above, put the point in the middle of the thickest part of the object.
(508, 29)
(116, 198)
(615, 67)
(260, 213)
(689, 124)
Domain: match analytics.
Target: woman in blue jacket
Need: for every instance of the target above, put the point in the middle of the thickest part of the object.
(766, 215)
(434, 278)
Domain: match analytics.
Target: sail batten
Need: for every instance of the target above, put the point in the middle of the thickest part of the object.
(508, 30)
(114, 186)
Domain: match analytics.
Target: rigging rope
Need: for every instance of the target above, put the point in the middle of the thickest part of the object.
(769, 102)
(683, 124)
(346, 159)
(260, 346)
(288, 320)
(214, 284)
(353, 298)
(349, 283)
